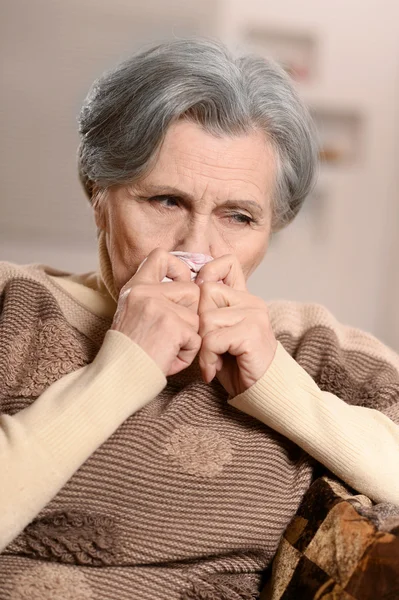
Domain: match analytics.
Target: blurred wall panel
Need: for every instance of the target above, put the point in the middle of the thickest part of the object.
(51, 52)
(342, 249)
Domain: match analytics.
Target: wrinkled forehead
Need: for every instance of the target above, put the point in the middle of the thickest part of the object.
(191, 156)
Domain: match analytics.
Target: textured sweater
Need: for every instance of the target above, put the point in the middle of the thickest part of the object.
(117, 482)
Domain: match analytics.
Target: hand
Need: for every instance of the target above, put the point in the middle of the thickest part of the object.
(162, 318)
(238, 343)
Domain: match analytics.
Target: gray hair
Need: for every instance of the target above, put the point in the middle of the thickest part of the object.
(129, 108)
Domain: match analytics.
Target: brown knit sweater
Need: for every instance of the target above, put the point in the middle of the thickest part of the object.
(193, 490)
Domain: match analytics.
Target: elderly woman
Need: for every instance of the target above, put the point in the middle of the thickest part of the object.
(159, 422)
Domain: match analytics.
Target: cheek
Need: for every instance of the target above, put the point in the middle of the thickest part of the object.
(251, 254)
(131, 240)
(124, 248)
(129, 231)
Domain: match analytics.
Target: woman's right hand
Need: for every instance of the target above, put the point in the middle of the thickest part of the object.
(162, 318)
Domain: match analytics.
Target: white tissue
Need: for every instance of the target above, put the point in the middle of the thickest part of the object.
(194, 260)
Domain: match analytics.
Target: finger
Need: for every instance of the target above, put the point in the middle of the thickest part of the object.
(184, 294)
(220, 317)
(186, 314)
(226, 268)
(218, 342)
(187, 352)
(160, 264)
(214, 295)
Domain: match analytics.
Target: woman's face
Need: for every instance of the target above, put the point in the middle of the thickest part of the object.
(204, 194)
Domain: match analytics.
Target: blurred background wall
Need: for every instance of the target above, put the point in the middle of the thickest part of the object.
(341, 251)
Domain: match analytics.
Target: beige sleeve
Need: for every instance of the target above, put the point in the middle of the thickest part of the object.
(360, 445)
(43, 445)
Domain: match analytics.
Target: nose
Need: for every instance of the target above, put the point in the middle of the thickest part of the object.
(197, 235)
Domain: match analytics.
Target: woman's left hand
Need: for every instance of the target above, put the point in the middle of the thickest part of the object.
(238, 344)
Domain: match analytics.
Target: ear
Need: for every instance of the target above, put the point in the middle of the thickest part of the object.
(98, 201)
(100, 217)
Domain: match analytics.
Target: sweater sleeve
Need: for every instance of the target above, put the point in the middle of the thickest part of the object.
(360, 445)
(43, 445)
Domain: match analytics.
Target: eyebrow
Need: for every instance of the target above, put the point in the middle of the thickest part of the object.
(161, 190)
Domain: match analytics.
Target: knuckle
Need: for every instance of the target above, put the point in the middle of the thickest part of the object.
(232, 257)
(158, 252)
(247, 345)
(198, 342)
(207, 287)
(124, 295)
(125, 287)
(131, 300)
(207, 340)
(136, 291)
(204, 320)
(196, 322)
(150, 305)
(205, 269)
(195, 291)
(194, 296)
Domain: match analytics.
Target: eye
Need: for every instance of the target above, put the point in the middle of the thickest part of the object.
(170, 202)
(241, 218)
(161, 199)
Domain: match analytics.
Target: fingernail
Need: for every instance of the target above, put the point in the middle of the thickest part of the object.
(199, 281)
(206, 374)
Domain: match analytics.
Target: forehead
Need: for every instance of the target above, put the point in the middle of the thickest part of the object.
(189, 151)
